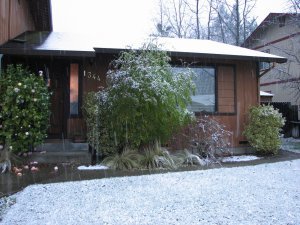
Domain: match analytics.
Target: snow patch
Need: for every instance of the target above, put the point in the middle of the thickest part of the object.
(241, 158)
(95, 167)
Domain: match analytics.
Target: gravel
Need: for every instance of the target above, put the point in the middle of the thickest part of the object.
(261, 194)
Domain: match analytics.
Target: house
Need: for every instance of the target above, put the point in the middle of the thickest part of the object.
(279, 33)
(227, 81)
(18, 16)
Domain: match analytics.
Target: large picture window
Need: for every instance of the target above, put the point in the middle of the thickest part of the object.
(204, 98)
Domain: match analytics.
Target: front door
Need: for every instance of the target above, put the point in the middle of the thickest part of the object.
(58, 76)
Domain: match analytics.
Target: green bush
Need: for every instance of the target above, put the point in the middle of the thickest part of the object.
(263, 129)
(24, 109)
(99, 136)
(144, 101)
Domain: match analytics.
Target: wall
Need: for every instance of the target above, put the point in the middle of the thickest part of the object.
(15, 19)
(237, 91)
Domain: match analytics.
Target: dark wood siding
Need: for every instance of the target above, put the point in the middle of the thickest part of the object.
(15, 18)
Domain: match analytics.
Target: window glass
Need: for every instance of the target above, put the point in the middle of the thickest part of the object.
(204, 98)
(74, 70)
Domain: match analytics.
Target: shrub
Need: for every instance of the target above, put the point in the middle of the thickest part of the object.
(208, 138)
(155, 157)
(144, 100)
(24, 109)
(99, 135)
(126, 160)
(263, 129)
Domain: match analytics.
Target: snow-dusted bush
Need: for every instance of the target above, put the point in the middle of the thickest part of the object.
(208, 138)
(24, 109)
(99, 134)
(144, 101)
(263, 129)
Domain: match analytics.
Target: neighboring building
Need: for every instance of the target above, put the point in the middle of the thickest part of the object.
(279, 34)
(227, 81)
(265, 97)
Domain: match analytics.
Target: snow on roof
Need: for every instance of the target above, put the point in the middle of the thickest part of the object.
(52, 43)
(263, 93)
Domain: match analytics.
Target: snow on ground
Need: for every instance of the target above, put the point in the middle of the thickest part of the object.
(241, 158)
(262, 194)
(94, 167)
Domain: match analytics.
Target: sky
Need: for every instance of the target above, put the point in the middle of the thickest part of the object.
(130, 18)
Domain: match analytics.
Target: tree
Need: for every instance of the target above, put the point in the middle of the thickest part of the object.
(294, 5)
(235, 18)
(174, 19)
(227, 21)
(144, 101)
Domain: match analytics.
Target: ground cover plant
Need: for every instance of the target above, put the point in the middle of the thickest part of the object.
(24, 110)
(263, 129)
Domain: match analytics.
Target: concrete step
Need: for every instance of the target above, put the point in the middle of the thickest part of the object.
(59, 145)
(61, 151)
(73, 157)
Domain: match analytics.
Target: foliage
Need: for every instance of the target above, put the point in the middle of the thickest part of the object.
(155, 157)
(98, 132)
(24, 108)
(208, 138)
(263, 129)
(144, 100)
(126, 160)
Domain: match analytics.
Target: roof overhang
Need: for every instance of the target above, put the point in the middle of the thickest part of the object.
(66, 44)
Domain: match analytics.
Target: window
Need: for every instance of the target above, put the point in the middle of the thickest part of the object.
(204, 98)
(74, 89)
(265, 65)
(281, 21)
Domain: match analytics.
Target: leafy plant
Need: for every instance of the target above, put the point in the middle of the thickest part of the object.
(144, 100)
(263, 129)
(208, 138)
(126, 160)
(24, 109)
(99, 135)
(155, 157)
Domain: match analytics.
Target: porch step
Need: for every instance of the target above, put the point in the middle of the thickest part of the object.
(58, 145)
(61, 151)
(72, 157)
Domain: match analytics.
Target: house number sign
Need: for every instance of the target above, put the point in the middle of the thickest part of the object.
(90, 75)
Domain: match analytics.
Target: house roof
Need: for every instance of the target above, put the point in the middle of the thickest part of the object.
(67, 44)
(270, 19)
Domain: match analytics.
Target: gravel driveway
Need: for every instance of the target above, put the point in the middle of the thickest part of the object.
(262, 194)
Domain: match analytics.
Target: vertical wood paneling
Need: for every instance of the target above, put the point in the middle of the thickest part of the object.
(15, 19)
(4, 21)
(226, 89)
